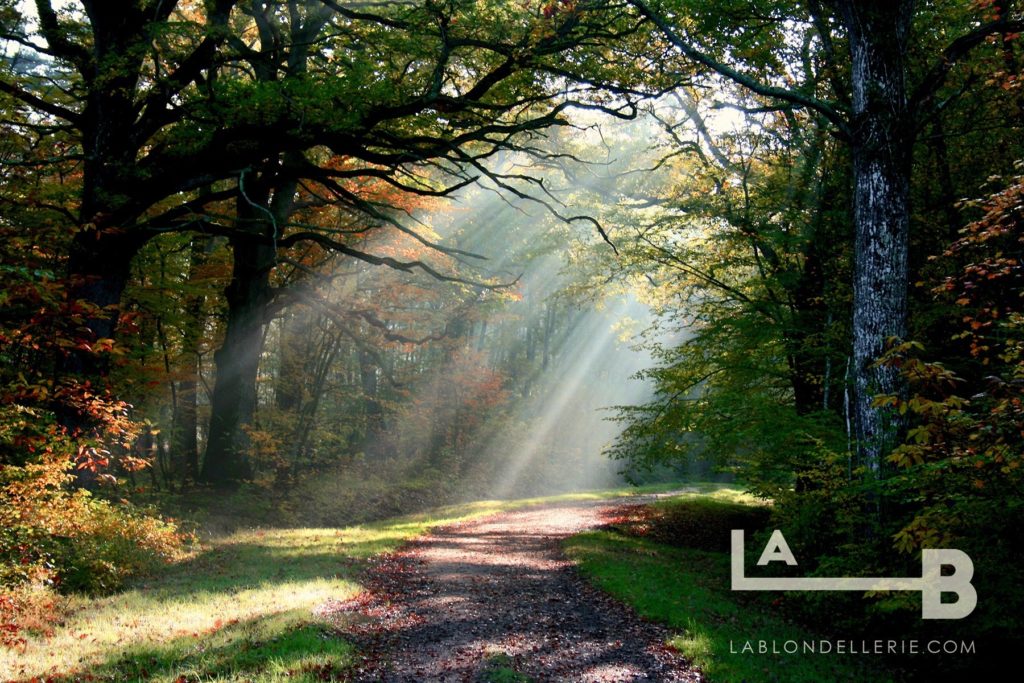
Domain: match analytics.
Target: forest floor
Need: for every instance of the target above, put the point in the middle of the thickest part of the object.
(495, 599)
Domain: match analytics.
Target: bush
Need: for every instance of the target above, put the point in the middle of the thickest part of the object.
(705, 524)
(106, 544)
(700, 523)
(73, 540)
(57, 539)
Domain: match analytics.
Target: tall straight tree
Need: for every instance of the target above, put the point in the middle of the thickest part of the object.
(870, 103)
(881, 138)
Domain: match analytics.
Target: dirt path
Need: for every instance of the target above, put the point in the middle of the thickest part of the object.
(451, 603)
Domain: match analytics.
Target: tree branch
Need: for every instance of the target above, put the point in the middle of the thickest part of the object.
(40, 104)
(57, 40)
(373, 259)
(742, 79)
(957, 50)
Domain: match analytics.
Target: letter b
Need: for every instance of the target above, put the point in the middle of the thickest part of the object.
(958, 582)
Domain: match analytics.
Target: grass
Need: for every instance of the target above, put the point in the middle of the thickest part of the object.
(499, 667)
(241, 608)
(688, 589)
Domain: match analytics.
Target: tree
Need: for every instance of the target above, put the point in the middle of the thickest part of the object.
(876, 112)
(739, 241)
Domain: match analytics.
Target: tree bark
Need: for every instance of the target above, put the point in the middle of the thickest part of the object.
(99, 266)
(882, 139)
(233, 404)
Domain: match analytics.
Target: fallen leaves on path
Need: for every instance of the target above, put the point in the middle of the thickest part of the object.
(449, 603)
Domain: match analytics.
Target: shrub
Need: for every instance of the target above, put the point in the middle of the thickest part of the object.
(54, 538)
(701, 523)
(72, 539)
(705, 524)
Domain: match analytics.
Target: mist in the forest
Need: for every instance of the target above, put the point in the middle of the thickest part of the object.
(568, 414)
(575, 335)
(519, 397)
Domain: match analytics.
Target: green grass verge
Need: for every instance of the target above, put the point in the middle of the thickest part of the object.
(242, 608)
(688, 589)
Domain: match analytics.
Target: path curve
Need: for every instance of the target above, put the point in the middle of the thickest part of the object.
(450, 602)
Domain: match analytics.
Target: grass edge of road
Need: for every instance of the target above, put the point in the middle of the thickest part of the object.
(688, 590)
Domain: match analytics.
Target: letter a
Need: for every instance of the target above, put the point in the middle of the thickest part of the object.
(777, 550)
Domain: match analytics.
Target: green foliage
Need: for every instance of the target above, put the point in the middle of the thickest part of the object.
(500, 668)
(107, 544)
(72, 540)
(959, 475)
(295, 650)
(956, 480)
(752, 263)
(748, 263)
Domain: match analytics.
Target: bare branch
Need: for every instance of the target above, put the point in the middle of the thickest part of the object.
(373, 259)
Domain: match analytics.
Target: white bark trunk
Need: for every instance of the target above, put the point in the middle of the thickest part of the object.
(881, 146)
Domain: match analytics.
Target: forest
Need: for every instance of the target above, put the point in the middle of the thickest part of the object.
(304, 303)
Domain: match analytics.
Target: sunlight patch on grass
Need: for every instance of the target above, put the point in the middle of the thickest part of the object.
(696, 646)
(725, 493)
(237, 595)
(499, 667)
(244, 593)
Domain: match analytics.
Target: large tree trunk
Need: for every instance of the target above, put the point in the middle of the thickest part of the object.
(99, 266)
(881, 149)
(233, 405)
(237, 360)
(102, 249)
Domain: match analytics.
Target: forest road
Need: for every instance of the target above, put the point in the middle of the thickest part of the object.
(472, 598)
